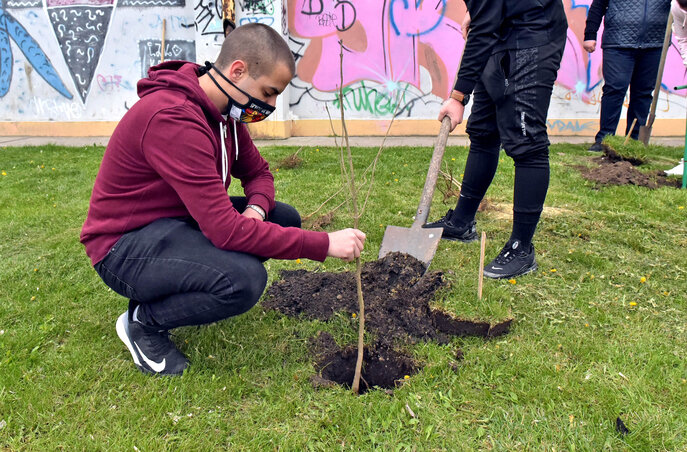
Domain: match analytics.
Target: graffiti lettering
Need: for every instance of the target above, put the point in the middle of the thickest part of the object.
(258, 7)
(54, 110)
(267, 20)
(570, 126)
(370, 100)
(208, 17)
(315, 7)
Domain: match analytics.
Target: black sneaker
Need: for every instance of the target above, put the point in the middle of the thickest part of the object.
(512, 261)
(151, 348)
(596, 147)
(467, 233)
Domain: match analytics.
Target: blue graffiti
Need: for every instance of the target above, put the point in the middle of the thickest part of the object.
(418, 3)
(267, 20)
(572, 126)
(10, 28)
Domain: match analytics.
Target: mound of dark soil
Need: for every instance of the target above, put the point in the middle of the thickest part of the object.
(397, 293)
(623, 173)
(613, 156)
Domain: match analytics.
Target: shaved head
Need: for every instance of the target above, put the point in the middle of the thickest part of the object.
(257, 45)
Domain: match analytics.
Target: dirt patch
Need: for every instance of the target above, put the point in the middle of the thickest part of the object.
(623, 173)
(397, 292)
(504, 211)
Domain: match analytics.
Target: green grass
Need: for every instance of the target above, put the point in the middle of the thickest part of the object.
(591, 338)
(630, 150)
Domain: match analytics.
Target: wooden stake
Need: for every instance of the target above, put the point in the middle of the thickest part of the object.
(162, 46)
(483, 245)
(629, 132)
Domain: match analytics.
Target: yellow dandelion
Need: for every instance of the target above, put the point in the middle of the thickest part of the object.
(681, 207)
(633, 303)
(298, 261)
(405, 164)
(642, 280)
(462, 174)
(512, 281)
(35, 269)
(53, 169)
(33, 298)
(381, 225)
(666, 293)
(453, 159)
(317, 150)
(277, 170)
(42, 166)
(393, 172)
(553, 270)
(354, 315)
(4, 173)
(591, 277)
(406, 377)
(586, 325)
(395, 180)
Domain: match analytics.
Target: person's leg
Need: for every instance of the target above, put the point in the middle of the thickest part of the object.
(641, 86)
(522, 125)
(618, 66)
(482, 161)
(175, 277)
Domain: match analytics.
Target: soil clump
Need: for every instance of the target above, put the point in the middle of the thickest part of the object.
(398, 292)
(622, 172)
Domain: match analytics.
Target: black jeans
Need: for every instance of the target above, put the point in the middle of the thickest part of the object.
(636, 68)
(177, 277)
(511, 102)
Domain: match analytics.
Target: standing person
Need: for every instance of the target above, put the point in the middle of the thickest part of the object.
(511, 59)
(632, 40)
(161, 229)
(679, 11)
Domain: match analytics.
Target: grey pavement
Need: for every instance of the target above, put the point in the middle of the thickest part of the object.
(391, 141)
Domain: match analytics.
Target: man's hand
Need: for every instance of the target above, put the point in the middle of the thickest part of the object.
(346, 244)
(589, 46)
(465, 26)
(454, 110)
(250, 213)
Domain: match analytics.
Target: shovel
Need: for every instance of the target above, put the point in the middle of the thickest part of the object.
(415, 241)
(645, 131)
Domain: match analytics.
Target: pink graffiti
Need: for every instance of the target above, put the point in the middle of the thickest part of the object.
(387, 45)
(390, 44)
(109, 82)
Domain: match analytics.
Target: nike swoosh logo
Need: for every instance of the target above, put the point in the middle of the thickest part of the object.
(157, 367)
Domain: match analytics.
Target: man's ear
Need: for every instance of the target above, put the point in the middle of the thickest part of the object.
(237, 70)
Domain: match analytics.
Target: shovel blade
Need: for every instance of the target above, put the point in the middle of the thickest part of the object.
(644, 134)
(420, 243)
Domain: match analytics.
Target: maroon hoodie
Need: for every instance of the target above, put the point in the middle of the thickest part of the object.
(164, 159)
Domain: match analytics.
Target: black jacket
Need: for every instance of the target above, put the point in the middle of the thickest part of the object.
(507, 24)
(633, 24)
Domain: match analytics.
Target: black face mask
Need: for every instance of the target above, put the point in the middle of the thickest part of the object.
(253, 110)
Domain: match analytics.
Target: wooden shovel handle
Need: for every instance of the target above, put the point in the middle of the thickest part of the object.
(432, 173)
(659, 77)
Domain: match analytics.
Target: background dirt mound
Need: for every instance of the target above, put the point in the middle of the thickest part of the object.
(623, 173)
(397, 296)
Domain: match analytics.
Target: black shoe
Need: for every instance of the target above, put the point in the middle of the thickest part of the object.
(596, 147)
(151, 348)
(512, 261)
(467, 233)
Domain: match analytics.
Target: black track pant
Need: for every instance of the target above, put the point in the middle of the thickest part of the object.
(511, 102)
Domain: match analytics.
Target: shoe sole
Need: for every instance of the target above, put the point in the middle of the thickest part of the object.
(499, 276)
(123, 333)
(455, 239)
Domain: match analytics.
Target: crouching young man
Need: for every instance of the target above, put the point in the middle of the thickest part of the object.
(161, 229)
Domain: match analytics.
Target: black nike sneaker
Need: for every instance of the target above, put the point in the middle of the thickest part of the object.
(467, 233)
(151, 348)
(512, 261)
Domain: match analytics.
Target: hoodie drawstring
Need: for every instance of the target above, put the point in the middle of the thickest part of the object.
(225, 158)
(225, 163)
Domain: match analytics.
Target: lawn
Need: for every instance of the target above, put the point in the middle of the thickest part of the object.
(600, 329)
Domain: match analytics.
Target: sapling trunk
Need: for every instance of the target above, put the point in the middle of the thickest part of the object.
(356, 216)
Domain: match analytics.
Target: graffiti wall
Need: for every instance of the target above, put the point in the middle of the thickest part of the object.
(80, 60)
(401, 56)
